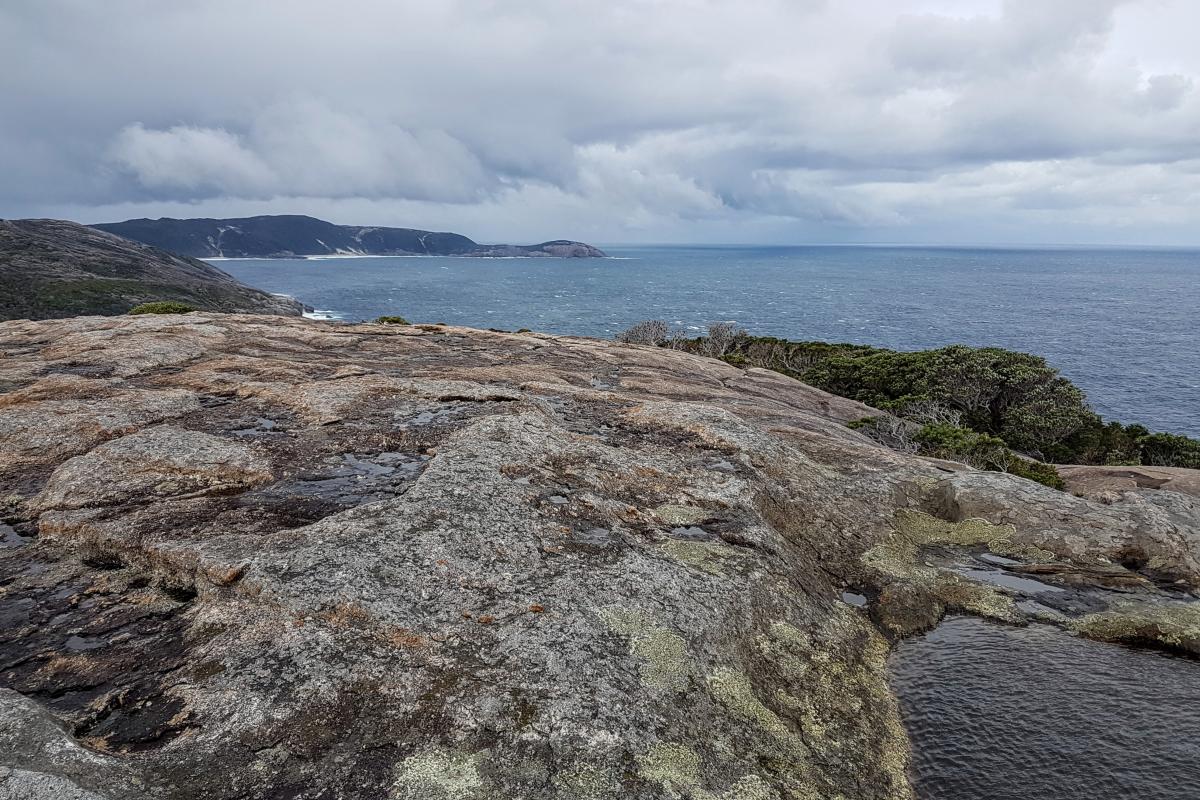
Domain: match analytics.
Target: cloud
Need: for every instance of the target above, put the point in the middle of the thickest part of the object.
(770, 119)
(196, 160)
(302, 148)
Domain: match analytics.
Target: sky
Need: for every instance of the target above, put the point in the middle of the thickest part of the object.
(610, 121)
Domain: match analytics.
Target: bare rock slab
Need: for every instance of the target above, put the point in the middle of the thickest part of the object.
(277, 558)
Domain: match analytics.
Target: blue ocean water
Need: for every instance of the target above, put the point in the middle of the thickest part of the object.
(1121, 323)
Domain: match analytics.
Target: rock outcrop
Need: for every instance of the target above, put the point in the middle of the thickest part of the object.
(51, 268)
(1105, 483)
(293, 235)
(253, 557)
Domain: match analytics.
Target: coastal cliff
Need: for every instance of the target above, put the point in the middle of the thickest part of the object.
(267, 557)
(292, 235)
(51, 268)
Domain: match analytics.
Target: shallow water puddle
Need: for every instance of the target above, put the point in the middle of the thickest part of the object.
(997, 712)
(990, 569)
(998, 577)
(10, 538)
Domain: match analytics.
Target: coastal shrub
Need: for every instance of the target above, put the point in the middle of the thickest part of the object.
(161, 307)
(1098, 442)
(1037, 471)
(722, 338)
(890, 431)
(1170, 450)
(954, 443)
(391, 321)
(954, 395)
(651, 331)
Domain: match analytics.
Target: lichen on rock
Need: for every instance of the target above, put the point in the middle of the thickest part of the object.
(431, 562)
(438, 774)
(662, 651)
(1174, 627)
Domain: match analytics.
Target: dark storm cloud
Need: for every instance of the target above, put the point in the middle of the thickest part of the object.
(614, 120)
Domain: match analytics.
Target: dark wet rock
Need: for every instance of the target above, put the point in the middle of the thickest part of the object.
(281, 558)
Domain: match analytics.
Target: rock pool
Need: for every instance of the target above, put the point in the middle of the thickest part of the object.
(998, 712)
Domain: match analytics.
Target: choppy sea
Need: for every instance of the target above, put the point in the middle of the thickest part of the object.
(1122, 323)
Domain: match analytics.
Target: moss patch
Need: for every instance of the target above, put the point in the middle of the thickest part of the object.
(1171, 627)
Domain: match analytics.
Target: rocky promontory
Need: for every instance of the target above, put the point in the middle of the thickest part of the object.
(51, 268)
(295, 235)
(257, 557)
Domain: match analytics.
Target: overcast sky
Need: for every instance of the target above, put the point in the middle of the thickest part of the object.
(777, 121)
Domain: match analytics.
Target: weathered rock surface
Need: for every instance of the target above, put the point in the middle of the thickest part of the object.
(255, 557)
(51, 268)
(1105, 483)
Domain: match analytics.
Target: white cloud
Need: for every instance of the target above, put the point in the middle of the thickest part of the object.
(680, 119)
(193, 159)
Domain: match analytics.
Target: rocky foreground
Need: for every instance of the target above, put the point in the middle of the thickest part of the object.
(257, 557)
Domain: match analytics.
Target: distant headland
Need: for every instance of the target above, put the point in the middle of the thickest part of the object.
(297, 236)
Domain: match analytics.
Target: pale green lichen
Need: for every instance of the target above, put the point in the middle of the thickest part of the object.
(899, 557)
(699, 555)
(438, 774)
(681, 515)
(733, 690)
(836, 691)
(676, 768)
(663, 652)
(750, 787)
(587, 782)
(1172, 625)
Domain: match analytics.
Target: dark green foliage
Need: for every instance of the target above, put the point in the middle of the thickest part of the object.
(1015, 396)
(943, 440)
(391, 321)
(1170, 450)
(1037, 471)
(162, 307)
(996, 398)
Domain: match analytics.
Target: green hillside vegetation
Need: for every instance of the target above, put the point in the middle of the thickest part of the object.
(993, 408)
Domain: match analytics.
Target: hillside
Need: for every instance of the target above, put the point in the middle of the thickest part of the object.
(53, 268)
(289, 235)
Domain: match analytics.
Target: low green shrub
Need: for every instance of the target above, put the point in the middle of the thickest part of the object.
(955, 443)
(1015, 398)
(391, 321)
(1169, 450)
(1037, 471)
(162, 307)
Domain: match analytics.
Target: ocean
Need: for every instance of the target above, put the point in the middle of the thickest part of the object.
(1121, 323)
